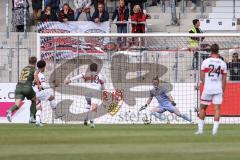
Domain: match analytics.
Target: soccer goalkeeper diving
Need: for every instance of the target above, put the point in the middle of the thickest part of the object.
(165, 100)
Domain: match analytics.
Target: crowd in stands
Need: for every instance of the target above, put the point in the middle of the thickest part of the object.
(127, 11)
(60, 10)
(194, 3)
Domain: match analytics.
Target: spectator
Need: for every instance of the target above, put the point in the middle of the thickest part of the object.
(54, 4)
(37, 9)
(62, 2)
(18, 15)
(66, 14)
(194, 4)
(195, 41)
(100, 15)
(234, 68)
(96, 2)
(174, 19)
(47, 15)
(137, 18)
(81, 5)
(155, 2)
(135, 2)
(122, 14)
(88, 14)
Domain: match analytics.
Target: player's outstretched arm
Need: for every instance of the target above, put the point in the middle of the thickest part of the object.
(67, 81)
(80, 76)
(145, 106)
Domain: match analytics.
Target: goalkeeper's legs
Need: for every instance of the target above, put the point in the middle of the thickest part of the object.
(179, 114)
(157, 112)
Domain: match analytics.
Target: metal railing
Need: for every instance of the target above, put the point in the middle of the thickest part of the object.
(14, 54)
(234, 10)
(128, 23)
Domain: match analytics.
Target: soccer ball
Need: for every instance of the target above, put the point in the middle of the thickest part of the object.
(146, 121)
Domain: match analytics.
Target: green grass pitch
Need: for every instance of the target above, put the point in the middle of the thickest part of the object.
(118, 142)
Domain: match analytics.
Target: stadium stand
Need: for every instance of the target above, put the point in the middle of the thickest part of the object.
(207, 11)
(215, 11)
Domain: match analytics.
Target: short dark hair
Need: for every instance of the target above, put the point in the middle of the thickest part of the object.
(155, 78)
(32, 60)
(41, 64)
(66, 4)
(48, 6)
(195, 21)
(215, 48)
(93, 67)
(235, 54)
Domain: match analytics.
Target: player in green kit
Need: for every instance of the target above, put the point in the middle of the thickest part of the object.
(24, 90)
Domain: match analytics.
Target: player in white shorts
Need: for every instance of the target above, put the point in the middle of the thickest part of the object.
(45, 94)
(94, 81)
(214, 77)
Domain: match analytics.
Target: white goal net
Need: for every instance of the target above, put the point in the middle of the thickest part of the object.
(127, 64)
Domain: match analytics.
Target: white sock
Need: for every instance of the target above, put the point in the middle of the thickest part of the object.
(200, 125)
(53, 104)
(38, 116)
(215, 127)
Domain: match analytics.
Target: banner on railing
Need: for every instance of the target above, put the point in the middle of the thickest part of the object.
(65, 47)
(73, 27)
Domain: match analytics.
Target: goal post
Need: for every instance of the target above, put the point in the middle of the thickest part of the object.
(128, 63)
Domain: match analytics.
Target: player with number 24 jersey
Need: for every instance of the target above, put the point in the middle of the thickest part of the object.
(214, 68)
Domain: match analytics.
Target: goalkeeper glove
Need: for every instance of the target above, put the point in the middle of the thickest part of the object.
(143, 107)
(173, 103)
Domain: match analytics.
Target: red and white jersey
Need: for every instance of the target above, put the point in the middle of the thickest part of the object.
(91, 80)
(42, 81)
(42, 78)
(214, 69)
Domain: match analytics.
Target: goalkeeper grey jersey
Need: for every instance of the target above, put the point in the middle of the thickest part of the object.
(161, 94)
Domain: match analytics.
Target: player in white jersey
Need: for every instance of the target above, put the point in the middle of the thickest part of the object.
(45, 94)
(94, 81)
(213, 76)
